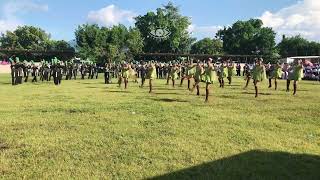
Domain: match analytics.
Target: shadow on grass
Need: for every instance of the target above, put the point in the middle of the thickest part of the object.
(3, 146)
(316, 84)
(5, 83)
(36, 84)
(228, 97)
(87, 82)
(252, 93)
(233, 85)
(166, 89)
(253, 165)
(167, 93)
(93, 87)
(169, 100)
(291, 90)
(119, 91)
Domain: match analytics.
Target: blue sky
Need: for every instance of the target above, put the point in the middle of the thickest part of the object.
(61, 17)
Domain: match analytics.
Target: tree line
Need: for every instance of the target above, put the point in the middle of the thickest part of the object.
(120, 43)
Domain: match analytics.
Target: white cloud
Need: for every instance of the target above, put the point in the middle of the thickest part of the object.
(23, 6)
(301, 18)
(203, 31)
(11, 10)
(111, 15)
(8, 25)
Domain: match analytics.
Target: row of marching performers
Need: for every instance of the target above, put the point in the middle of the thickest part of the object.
(208, 72)
(45, 71)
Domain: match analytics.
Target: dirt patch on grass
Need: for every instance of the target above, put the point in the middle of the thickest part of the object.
(3, 146)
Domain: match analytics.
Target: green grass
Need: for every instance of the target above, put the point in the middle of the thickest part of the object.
(86, 129)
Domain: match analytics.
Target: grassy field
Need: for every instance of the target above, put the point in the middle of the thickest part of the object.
(85, 129)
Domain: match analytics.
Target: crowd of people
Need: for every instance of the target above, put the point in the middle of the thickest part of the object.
(193, 71)
(45, 71)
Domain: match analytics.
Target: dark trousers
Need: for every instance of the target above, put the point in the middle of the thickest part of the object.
(13, 79)
(34, 79)
(26, 78)
(57, 80)
(107, 77)
(18, 80)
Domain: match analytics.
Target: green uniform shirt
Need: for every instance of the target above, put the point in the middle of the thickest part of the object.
(223, 71)
(231, 71)
(198, 74)
(297, 73)
(277, 72)
(210, 75)
(191, 69)
(125, 72)
(174, 73)
(152, 74)
(259, 73)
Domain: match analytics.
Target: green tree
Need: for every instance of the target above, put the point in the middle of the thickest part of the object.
(61, 45)
(102, 44)
(207, 46)
(175, 25)
(248, 37)
(134, 41)
(31, 38)
(89, 39)
(25, 37)
(298, 46)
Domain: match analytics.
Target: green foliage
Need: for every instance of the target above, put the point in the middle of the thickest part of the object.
(25, 37)
(102, 44)
(207, 46)
(169, 18)
(61, 45)
(298, 46)
(31, 38)
(248, 37)
(134, 41)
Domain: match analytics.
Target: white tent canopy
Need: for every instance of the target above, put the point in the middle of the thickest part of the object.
(306, 57)
(291, 59)
(287, 60)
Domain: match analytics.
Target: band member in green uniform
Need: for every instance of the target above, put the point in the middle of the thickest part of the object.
(107, 73)
(34, 72)
(248, 75)
(143, 73)
(210, 77)
(190, 70)
(83, 70)
(124, 75)
(19, 71)
(168, 70)
(296, 75)
(269, 71)
(258, 74)
(26, 70)
(198, 77)
(231, 71)
(151, 74)
(223, 71)
(13, 71)
(56, 71)
(173, 74)
(276, 74)
(133, 73)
